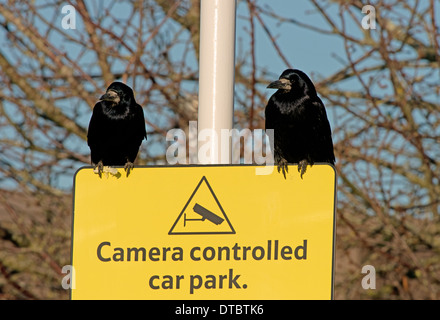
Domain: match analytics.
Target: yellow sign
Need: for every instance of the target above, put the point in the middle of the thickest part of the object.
(204, 232)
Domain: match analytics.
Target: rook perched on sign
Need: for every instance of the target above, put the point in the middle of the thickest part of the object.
(116, 129)
(302, 132)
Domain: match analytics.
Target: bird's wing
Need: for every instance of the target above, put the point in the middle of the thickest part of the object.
(269, 115)
(94, 132)
(136, 133)
(141, 132)
(95, 124)
(323, 133)
(274, 120)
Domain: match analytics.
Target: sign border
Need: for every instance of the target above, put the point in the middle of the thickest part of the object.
(214, 165)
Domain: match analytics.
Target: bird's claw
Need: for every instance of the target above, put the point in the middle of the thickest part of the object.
(99, 169)
(302, 167)
(128, 166)
(283, 165)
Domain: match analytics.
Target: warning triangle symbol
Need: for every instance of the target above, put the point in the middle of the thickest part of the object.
(202, 214)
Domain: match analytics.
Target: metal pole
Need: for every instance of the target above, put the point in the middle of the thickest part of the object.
(216, 80)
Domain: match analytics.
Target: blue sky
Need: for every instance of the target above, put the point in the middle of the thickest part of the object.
(305, 50)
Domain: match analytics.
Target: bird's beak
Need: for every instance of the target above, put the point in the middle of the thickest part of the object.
(280, 84)
(111, 96)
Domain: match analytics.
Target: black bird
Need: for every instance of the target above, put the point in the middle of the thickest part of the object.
(116, 129)
(302, 131)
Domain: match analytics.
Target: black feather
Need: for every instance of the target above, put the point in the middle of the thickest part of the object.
(302, 131)
(117, 128)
